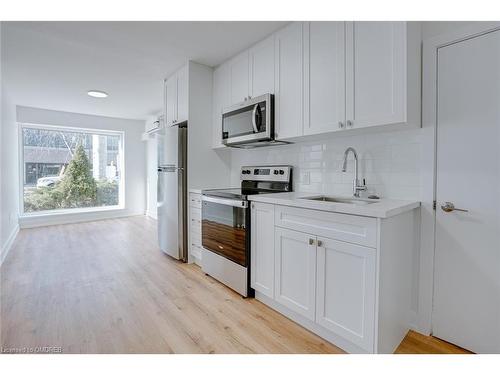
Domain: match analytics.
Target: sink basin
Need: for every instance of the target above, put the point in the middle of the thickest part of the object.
(324, 198)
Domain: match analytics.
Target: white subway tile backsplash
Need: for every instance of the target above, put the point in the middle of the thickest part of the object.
(389, 161)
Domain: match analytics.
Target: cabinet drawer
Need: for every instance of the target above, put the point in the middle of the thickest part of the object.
(195, 200)
(195, 216)
(349, 228)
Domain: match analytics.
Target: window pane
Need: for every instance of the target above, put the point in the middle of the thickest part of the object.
(64, 169)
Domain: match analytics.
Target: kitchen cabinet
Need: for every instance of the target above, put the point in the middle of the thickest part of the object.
(195, 227)
(324, 73)
(261, 65)
(262, 248)
(345, 290)
(295, 271)
(239, 78)
(176, 97)
(346, 277)
(289, 88)
(376, 71)
(221, 100)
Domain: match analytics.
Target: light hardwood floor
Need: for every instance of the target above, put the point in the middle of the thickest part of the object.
(105, 287)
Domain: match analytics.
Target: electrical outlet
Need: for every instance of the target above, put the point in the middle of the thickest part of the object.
(305, 178)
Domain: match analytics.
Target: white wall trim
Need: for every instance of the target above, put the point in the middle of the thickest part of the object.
(152, 215)
(429, 111)
(8, 244)
(74, 217)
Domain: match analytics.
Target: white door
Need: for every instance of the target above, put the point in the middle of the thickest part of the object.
(238, 74)
(345, 291)
(467, 254)
(324, 77)
(262, 248)
(295, 271)
(262, 68)
(182, 94)
(171, 98)
(376, 73)
(289, 93)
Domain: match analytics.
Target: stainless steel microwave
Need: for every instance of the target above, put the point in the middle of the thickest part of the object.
(250, 123)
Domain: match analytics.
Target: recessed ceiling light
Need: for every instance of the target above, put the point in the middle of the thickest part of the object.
(97, 94)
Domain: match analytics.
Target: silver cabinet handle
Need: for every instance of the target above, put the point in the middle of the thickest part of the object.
(311, 241)
(341, 125)
(320, 243)
(350, 123)
(449, 207)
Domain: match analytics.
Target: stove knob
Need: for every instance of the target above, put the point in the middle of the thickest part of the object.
(276, 171)
(282, 171)
(243, 172)
(248, 171)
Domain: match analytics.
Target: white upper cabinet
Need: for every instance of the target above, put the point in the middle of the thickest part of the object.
(262, 249)
(182, 94)
(221, 100)
(171, 100)
(176, 97)
(289, 83)
(261, 66)
(345, 291)
(295, 271)
(376, 58)
(324, 73)
(238, 78)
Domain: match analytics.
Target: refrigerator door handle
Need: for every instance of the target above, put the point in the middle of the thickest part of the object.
(169, 168)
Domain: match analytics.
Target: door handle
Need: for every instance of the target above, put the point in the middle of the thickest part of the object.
(449, 207)
(311, 241)
(320, 243)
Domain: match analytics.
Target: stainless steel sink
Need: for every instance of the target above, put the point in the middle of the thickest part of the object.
(324, 198)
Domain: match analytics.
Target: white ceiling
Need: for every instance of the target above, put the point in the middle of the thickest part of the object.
(52, 65)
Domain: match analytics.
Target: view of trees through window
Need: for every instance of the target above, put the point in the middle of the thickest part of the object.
(66, 169)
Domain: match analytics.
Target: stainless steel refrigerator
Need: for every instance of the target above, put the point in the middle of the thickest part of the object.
(172, 191)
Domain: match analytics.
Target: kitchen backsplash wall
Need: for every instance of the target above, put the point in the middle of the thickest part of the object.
(389, 161)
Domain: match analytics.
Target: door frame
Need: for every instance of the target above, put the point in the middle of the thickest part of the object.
(428, 163)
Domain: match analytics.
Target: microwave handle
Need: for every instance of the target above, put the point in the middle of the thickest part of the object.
(254, 113)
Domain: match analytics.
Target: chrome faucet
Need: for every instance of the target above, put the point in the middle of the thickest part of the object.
(356, 187)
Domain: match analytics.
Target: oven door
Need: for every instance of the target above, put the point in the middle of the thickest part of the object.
(249, 121)
(224, 228)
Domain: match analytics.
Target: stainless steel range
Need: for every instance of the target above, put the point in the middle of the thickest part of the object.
(226, 228)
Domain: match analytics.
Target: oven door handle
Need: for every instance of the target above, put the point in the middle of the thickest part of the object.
(226, 202)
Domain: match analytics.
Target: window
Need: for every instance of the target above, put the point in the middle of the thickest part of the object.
(67, 168)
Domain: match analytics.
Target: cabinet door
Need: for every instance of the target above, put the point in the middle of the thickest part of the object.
(221, 100)
(262, 68)
(289, 93)
(345, 302)
(324, 47)
(171, 97)
(376, 73)
(295, 271)
(238, 74)
(182, 94)
(262, 248)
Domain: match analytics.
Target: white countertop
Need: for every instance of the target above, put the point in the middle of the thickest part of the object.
(382, 208)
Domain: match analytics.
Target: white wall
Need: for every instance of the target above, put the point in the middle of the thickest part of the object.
(207, 168)
(8, 171)
(135, 155)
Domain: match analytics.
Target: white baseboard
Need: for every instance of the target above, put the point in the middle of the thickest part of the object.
(8, 244)
(152, 215)
(74, 217)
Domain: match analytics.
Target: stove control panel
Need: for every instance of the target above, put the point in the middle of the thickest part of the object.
(266, 173)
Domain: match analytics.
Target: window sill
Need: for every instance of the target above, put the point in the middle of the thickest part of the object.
(71, 211)
(45, 218)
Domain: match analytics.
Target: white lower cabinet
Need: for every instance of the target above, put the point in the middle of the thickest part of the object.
(295, 271)
(345, 291)
(262, 248)
(347, 278)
